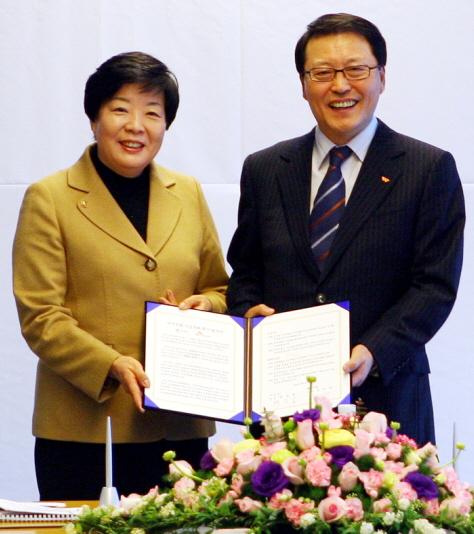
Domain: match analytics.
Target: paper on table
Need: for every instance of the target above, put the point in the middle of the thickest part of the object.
(36, 508)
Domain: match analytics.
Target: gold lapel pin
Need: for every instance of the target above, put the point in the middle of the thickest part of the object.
(385, 179)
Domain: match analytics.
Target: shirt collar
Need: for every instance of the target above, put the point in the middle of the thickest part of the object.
(359, 145)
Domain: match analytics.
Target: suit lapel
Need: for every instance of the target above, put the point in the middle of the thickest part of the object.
(164, 208)
(294, 181)
(377, 177)
(101, 209)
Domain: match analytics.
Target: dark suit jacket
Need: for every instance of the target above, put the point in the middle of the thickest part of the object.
(396, 256)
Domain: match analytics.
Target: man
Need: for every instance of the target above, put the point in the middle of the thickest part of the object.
(396, 250)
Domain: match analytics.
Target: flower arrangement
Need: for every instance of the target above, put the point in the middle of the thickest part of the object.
(318, 472)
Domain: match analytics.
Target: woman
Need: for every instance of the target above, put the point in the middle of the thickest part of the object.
(93, 243)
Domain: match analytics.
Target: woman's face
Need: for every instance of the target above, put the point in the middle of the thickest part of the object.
(129, 129)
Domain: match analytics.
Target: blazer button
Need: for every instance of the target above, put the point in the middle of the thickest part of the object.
(321, 298)
(150, 265)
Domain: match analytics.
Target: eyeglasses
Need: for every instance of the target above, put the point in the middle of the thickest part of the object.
(327, 74)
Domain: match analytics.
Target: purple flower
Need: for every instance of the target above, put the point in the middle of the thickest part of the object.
(423, 485)
(268, 479)
(207, 461)
(313, 414)
(341, 455)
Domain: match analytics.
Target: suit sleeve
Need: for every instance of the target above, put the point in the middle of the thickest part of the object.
(40, 285)
(402, 331)
(245, 251)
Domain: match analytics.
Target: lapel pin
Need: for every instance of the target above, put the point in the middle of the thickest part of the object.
(385, 179)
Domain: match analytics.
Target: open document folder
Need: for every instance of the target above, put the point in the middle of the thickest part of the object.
(229, 368)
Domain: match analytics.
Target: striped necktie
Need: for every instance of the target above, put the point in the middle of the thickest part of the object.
(328, 205)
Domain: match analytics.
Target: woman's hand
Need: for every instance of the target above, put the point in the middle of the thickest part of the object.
(195, 302)
(129, 372)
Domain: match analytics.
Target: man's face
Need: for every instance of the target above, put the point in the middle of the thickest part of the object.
(342, 108)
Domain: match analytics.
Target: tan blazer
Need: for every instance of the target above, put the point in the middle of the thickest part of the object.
(81, 276)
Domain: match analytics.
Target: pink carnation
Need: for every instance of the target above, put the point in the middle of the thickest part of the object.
(378, 453)
(270, 448)
(310, 454)
(432, 506)
(247, 505)
(404, 490)
(295, 509)
(224, 467)
(237, 484)
(394, 451)
(332, 509)
(372, 481)
(318, 473)
(280, 499)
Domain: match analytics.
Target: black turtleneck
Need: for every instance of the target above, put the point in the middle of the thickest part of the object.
(131, 194)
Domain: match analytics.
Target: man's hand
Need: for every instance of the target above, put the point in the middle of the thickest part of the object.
(129, 372)
(359, 365)
(258, 311)
(195, 302)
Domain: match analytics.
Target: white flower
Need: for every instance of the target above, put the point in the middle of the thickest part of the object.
(403, 504)
(307, 520)
(423, 526)
(70, 528)
(388, 518)
(399, 516)
(366, 528)
(168, 510)
(160, 499)
(137, 531)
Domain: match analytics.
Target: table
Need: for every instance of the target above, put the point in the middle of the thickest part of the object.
(41, 528)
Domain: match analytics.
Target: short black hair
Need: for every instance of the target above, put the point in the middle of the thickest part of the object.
(333, 24)
(131, 67)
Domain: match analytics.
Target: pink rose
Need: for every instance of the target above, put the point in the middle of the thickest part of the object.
(459, 505)
(224, 467)
(182, 487)
(394, 451)
(318, 473)
(332, 509)
(127, 503)
(372, 481)
(326, 408)
(452, 481)
(374, 422)
(327, 457)
(349, 476)
(249, 466)
(382, 506)
(293, 470)
(295, 509)
(354, 509)
(363, 442)
(247, 505)
(280, 499)
(304, 434)
(223, 449)
(184, 467)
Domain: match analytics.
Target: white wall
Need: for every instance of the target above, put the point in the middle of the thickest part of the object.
(240, 93)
